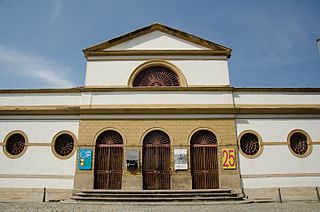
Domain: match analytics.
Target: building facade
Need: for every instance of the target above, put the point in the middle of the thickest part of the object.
(157, 112)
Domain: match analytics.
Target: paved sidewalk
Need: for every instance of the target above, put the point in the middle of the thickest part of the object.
(261, 207)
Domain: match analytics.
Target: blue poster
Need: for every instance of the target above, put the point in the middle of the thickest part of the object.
(85, 159)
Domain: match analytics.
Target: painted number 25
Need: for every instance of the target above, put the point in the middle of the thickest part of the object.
(229, 159)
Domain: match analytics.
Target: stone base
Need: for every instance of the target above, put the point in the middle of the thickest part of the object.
(34, 194)
(287, 194)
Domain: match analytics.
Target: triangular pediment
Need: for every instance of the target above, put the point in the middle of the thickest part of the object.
(157, 39)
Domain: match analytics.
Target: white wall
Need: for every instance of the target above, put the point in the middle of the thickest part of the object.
(115, 98)
(38, 162)
(196, 72)
(277, 159)
(276, 98)
(157, 41)
(39, 99)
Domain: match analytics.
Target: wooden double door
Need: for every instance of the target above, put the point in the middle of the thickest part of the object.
(108, 161)
(156, 171)
(204, 160)
(156, 161)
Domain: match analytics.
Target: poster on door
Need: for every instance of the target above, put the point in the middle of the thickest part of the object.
(180, 159)
(229, 158)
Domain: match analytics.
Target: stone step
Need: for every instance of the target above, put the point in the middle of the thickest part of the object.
(156, 195)
(156, 191)
(164, 199)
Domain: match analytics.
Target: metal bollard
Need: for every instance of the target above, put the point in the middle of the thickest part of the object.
(44, 194)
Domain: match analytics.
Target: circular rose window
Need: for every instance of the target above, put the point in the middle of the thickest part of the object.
(64, 145)
(15, 144)
(298, 143)
(249, 144)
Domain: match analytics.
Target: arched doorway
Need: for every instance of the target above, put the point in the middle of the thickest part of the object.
(156, 160)
(108, 160)
(204, 160)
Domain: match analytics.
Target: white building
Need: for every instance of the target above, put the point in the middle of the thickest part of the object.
(157, 112)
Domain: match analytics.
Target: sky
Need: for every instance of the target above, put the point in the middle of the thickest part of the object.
(273, 42)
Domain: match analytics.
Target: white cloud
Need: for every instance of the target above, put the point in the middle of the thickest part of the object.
(30, 65)
(56, 7)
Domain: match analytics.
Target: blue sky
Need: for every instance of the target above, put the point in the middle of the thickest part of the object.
(273, 42)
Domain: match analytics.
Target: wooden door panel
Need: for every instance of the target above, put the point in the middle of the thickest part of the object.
(204, 160)
(108, 167)
(204, 167)
(156, 161)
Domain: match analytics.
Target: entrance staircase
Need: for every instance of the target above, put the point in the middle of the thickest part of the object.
(156, 195)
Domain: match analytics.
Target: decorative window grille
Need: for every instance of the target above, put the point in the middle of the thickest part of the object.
(249, 144)
(203, 137)
(299, 143)
(109, 137)
(156, 137)
(64, 144)
(15, 144)
(156, 76)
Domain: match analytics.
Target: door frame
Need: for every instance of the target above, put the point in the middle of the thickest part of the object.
(116, 145)
(170, 151)
(216, 145)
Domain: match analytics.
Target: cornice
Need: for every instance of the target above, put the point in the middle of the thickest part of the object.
(158, 53)
(144, 89)
(160, 109)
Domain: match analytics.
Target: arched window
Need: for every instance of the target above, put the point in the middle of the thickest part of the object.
(156, 137)
(203, 137)
(156, 76)
(299, 143)
(109, 137)
(250, 144)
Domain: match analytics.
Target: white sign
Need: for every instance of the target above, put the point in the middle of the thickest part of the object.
(180, 159)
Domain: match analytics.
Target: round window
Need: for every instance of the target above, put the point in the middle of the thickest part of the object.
(250, 144)
(298, 143)
(64, 145)
(15, 144)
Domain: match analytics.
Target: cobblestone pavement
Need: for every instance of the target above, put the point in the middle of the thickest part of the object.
(261, 207)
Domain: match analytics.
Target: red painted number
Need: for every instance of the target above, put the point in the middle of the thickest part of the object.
(229, 160)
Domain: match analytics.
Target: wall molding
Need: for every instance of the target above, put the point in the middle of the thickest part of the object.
(247, 176)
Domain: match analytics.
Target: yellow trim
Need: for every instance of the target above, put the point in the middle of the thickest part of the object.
(158, 53)
(134, 89)
(166, 64)
(124, 141)
(309, 142)
(217, 88)
(276, 143)
(25, 144)
(156, 57)
(54, 141)
(156, 109)
(280, 175)
(259, 140)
